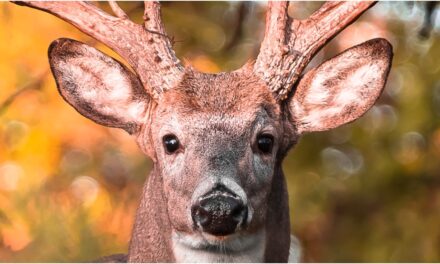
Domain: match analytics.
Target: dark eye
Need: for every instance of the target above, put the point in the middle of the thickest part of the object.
(171, 143)
(265, 143)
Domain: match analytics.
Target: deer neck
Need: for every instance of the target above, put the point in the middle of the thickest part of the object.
(277, 221)
(151, 236)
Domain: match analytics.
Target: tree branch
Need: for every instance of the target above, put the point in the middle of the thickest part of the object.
(35, 84)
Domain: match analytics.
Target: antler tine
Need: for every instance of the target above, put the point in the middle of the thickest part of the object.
(152, 19)
(117, 10)
(164, 53)
(274, 49)
(149, 52)
(290, 44)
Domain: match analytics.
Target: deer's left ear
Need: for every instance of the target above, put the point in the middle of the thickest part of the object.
(343, 88)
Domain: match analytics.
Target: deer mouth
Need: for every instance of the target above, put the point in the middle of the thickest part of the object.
(233, 243)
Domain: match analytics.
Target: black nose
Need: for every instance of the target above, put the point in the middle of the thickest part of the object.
(219, 212)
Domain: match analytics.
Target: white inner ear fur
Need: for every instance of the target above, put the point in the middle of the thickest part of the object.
(105, 89)
(350, 94)
(340, 90)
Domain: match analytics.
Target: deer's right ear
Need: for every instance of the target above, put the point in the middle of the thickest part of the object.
(98, 86)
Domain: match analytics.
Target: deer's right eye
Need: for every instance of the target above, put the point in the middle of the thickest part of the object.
(171, 143)
(265, 143)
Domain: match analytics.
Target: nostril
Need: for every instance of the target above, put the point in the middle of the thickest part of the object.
(239, 213)
(204, 217)
(237, 210)
(201, 217)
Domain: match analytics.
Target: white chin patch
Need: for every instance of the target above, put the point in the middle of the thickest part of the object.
(200, 247)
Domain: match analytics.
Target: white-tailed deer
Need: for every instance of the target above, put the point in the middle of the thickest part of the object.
(217, 191)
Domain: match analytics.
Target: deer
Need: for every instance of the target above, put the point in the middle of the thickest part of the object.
(217, 192)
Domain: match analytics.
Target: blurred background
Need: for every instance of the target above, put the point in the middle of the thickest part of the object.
(367, 191)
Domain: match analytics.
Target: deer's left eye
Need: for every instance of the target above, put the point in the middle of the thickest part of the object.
(265, 143)
(171, 143)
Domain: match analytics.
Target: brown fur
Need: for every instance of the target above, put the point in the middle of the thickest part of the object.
(278, 225)
(230, 93)
(150, 241)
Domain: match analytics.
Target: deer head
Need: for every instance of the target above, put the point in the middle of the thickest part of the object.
(217, 191)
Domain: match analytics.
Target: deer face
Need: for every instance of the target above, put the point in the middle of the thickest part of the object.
(216, 148)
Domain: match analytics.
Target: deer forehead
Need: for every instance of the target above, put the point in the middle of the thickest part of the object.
(227, 102)
(230, 92)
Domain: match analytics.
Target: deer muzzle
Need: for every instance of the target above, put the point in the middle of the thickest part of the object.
(219, 212)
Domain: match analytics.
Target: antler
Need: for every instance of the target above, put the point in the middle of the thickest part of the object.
(290, 44)
(146, 47)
